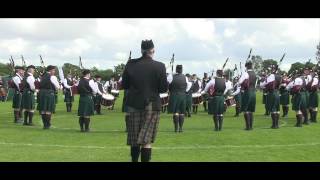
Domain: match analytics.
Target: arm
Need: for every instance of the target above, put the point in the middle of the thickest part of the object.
(189, 84)
(237, 91)
(125, 78)
(30, 81)
(170, 78)
(54, 81)
(210, 83)
(65, 84)
(163, 84)
(92, 84)
(16, 80)
(243, 77)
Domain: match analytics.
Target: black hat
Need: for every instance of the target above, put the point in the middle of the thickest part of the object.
(50, 67)
(179, 68)
(187, 75)
(19, 67)
(86, 71)
(219, 72)
(248, 64)
(97, 76)
(31, 67)
(147, 44)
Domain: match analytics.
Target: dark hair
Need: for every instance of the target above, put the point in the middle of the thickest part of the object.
(179, 69)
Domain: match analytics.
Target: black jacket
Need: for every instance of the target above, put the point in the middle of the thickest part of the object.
(145, 79)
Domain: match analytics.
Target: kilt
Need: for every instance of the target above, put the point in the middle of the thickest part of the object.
(16, 100)
(284, 98)
(216, 105)
(205, 97)
(264, 98)
(86, 105)
(237, 98)
(299, 101)
(188, 101)
(177, 103)
(47, 100)
(67, 97)
(273, 101)
(142, 125)
(28, 100)
(307, 98)
(248, 100)
(97, 100)
(313, 99)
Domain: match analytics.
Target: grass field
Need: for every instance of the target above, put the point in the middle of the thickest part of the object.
(198, 142)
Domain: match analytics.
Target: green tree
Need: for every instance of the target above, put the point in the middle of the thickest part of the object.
(257, 63)
(296, 66)
(318, 52)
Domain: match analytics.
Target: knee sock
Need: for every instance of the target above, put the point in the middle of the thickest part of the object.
(181, 121)
(26, 115)
(135, 153)
(145, 154)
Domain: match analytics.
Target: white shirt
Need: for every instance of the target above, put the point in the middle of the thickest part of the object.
(17, 80)
(55, 82)
(270, 79)
(315, 82)
(65, 84)
(104, 91)
(94, 87)
(228, 85)
(297, 82)
(189, 85)
(30, 81)
(170, 79)
(237, 91)
(243, 77)
(212, 83)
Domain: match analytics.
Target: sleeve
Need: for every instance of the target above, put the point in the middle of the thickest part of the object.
(93, 86)
(170, 78)
(200, 88)
(290, 85)
(210, 83)
(228, 87)
(30, 81)
(237, 91)
(189, 84)
(106, 85)
(54, 81)
(243, 77)
(163, 84)
(125, 78)
(65, 84)
(315, 82)
(16, 80)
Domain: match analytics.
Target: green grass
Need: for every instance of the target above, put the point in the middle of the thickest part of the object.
(198, 142)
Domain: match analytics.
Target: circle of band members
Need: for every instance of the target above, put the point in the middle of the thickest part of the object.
(145, 79)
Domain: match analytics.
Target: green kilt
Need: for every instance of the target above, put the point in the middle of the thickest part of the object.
(16, 100)
(97, 99)
(47, 100)
(285, 98)
(67, 97)
(307, 98)
(177, 103)
(273, 101)
(188, 101)
(248, 100)
(313, 99)
(299, 101)
(28, 100)
(237, 98)
(264, 98)
(86, 105)
(216, 105)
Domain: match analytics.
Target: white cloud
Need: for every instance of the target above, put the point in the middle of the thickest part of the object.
(229, 32)
(16, 45)
(200, 29)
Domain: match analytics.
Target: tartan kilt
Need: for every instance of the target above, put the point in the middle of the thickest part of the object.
(264, 98)
(307, 94)
(299, 101)
(248, 100)
(86, 105)
(142, 126)
(273, 101)
(216, 105)
(67, 97)
(285, 98)
(16, 100)
(177, 103)
(97, 99)
(205, 96)
(188, 101)
(28, 100)
(47, 100)
(313, 99)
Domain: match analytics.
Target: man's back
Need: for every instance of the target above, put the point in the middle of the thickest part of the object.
(145, 79)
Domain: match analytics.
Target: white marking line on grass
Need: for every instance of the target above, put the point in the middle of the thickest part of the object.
(162, 148)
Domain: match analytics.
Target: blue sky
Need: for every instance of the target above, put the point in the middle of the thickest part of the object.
(199, 44)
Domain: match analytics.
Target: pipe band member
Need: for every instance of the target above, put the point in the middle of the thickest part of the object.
(48, 86)
(272, 85)
(18, 89)
(284, 95)
(178, 85)
(145, 79)
(312, 88)
(68, 96)
(86, 89)
(28, 98)
(247, 82)
(216, 89)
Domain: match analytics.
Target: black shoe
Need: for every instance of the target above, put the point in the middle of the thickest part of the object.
(25, 124)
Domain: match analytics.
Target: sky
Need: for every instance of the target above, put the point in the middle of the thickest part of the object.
(200, 45)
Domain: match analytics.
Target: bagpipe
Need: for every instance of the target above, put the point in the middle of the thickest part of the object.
(212, 88)
(245, 83)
